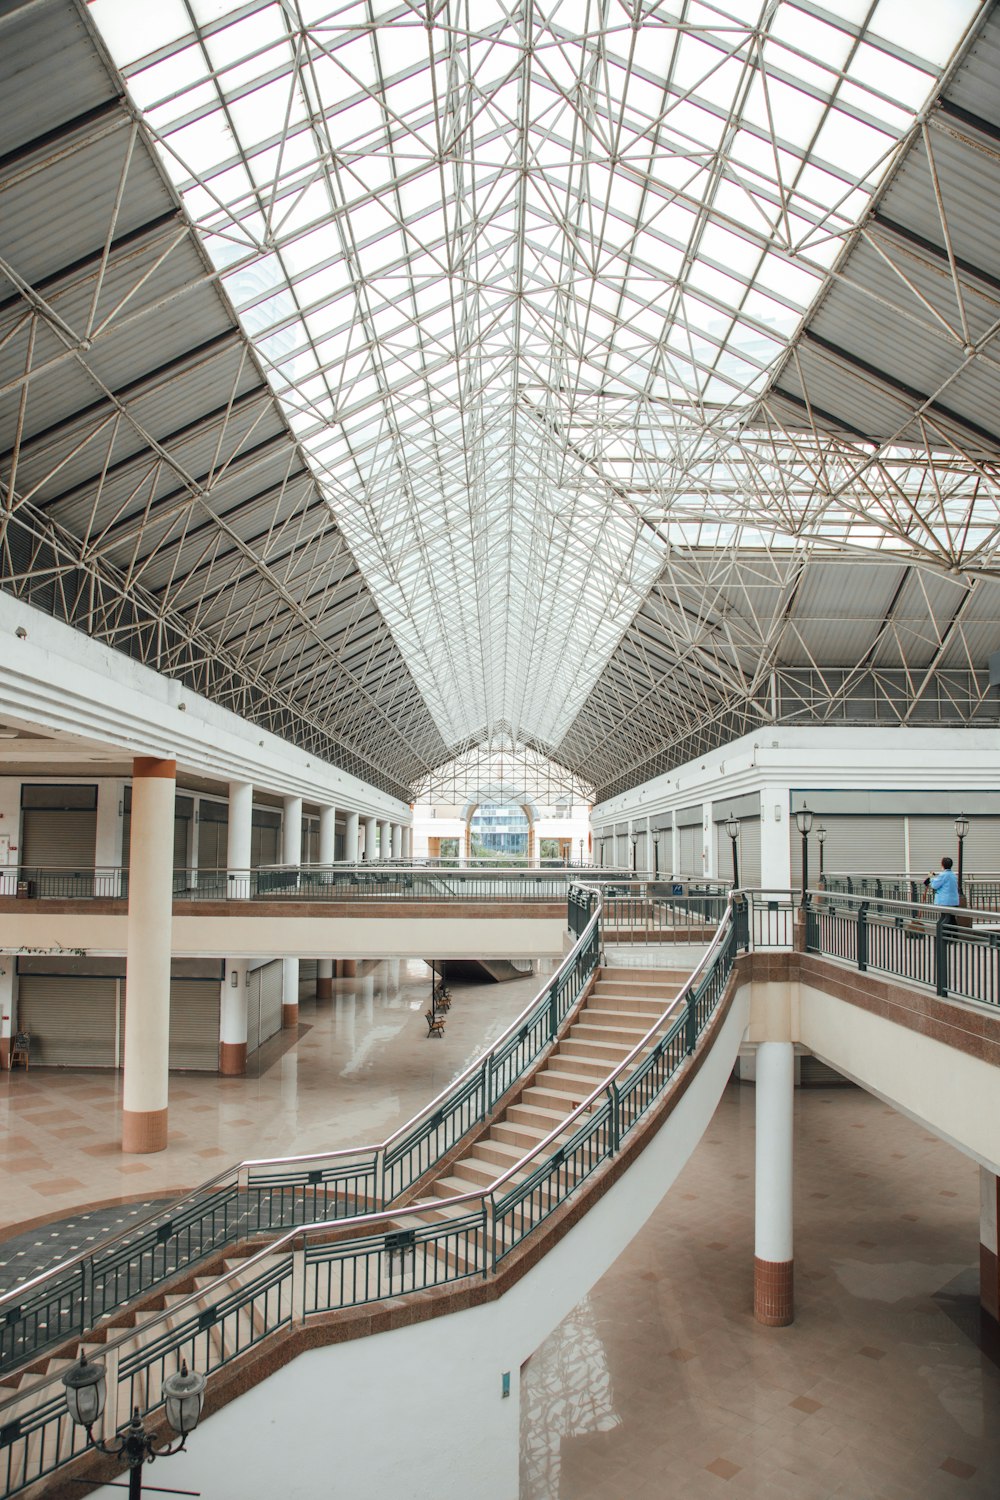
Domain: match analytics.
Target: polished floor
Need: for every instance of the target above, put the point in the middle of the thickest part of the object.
(660, 1386)
(360, 1066)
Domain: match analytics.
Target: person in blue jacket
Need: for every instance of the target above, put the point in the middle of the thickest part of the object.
(945, 885)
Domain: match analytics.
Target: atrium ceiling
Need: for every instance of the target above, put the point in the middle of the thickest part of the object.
(584, 379)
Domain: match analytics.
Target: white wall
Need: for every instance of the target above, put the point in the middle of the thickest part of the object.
(774, 761)
(60, 680)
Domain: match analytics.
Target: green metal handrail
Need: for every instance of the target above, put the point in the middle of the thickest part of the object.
(270, 1195)
(300, 1275)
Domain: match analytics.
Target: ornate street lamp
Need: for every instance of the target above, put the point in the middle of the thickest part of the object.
(804, 822)
(733, 830)
(183, 1398)
(635, 839)
(961, 829)
(656, 854)
(821, 840)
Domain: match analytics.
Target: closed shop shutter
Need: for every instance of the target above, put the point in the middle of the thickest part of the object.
(194, 1024)
(52, 837)
(72, 1019)
(747, 851)
(253, 1011)
(263, 1004)
(213, 841)
(270, 999)
(856, 843)
(690, 851)
(181, 826)
(264, 842)
(932, 837)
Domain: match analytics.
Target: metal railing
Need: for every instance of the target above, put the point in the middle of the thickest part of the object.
(302, 1275)
(362, 882)
(266, 1196)
(922, 944)
(981, 891)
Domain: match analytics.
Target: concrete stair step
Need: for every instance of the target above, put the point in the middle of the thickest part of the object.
(593, 1070)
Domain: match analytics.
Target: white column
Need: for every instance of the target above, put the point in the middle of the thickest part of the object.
(384, 837)
(7, 962)
(327, 835)
(370, 851)
(408, 841)
(710, 841)
(291, 854)
(352, 837)
(324, 979)
(397, 841)
(291, 831)
(675, 845)
(147, 1011)
(238, 837)
(775, 845)
(773, 1287)
(233, 1017)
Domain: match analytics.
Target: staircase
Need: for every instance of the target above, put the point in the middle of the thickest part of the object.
(216, 1315)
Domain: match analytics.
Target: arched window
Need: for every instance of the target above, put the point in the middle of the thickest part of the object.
(499, 828)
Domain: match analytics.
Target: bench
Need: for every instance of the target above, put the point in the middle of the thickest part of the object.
(435, 1023)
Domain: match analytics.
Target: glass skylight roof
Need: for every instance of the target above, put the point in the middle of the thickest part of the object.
(520, 273)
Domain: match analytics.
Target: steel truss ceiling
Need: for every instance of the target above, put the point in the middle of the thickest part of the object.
(152, 492)
(570, 305)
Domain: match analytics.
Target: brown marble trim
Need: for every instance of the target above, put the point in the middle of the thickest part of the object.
(967, 1028)
(232, 1059)
(324, 989)
(773, 1292)
(146, 767)
(5, 1045)
(289, 1017)
(107, 906)
(144, 1130)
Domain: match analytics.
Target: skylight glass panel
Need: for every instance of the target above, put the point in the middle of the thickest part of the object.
(507, 275)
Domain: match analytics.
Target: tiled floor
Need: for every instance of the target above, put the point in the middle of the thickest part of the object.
(661, 1387)
(362, 1065)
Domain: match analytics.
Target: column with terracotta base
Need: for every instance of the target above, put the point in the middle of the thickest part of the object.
(147, 965)
(989, 1243)
(291, 854)
(349, 968)
(6, 1010)
(324, 979)
(773, 1302)
(352, 848)
(233, 1019)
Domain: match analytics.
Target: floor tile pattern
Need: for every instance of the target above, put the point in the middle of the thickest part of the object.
(660, 1386)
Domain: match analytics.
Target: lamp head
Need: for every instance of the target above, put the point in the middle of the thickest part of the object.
(961, 826)
(821, 834)
(733, 826)
(85, 1388)
(803, 820)
(183, 1397)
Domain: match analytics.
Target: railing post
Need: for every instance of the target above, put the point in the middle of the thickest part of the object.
(299, 1282)
(691, 1024)
(87, 1310)
(615, 1131)
(941, 956)
(553, 1011)
(863, 936)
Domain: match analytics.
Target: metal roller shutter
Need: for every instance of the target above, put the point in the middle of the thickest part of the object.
(253, 1011)
(747, 850)
(213, 841)
(270, 999)
(54, 837)
(691, 863)
(857, 843)
(930, 838)
(194, 1024)
(264, 842)
(72, 1019)
(263, 1004)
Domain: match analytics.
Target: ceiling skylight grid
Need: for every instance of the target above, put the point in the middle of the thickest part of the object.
(520, 274)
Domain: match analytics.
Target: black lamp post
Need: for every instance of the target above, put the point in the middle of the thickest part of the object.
(733, 830)
(183, 1397)
(961, 829)
(804, 822)
(821, 840)
(656, 854)
(635, 839)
